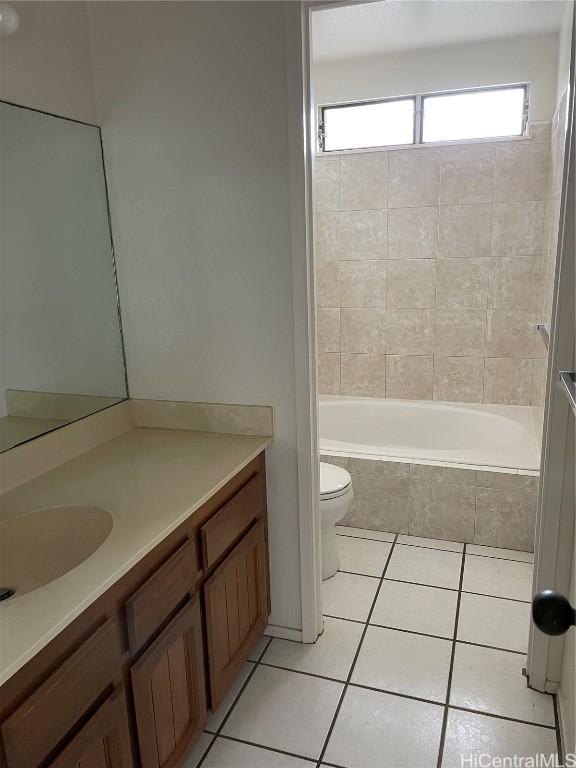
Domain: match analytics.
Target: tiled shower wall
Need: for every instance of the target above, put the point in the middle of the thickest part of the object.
(430, 271)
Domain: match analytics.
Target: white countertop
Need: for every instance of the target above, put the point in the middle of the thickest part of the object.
(150, 480)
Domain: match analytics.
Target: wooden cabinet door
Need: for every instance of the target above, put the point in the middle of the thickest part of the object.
(104, 742)
(169, 690)
(236, 601)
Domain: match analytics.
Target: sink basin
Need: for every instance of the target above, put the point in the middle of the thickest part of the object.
(40, 546)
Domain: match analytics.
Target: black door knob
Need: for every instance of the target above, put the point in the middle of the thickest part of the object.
(552, 613)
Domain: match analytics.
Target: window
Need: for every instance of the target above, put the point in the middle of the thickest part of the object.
(479, 113)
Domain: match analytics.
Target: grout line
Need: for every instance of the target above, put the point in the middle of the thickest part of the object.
(491, 647)
(559, 745)
(278, 751)
(357, 573)
(388, 692)
(421, 584)
(502, 717)
(358, 649)
(301, 672)
(497, 597)
(451, 670)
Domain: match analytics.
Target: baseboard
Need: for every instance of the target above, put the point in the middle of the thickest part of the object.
(284, 633)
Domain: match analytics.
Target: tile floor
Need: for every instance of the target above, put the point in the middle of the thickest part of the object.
(420, 663)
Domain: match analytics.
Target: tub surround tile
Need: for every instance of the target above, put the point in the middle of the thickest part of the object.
(495, 622)
(411, 284)
(380, 503)
(508, 482)
(518, 228)
(414, 178)
(464, 231)
(415, 608)
(462, 283)
(442, 510)
(540, 131)
(364, 181)
(363, 375)
(329, 373)
(505, 518)
(459, 379)
(328, 329)
(522, 172)
(327, 237)
(362, 533)
(340, 460)
(410, 331)
(513, 333)
(539, 374)
(413, 233)
(391, 469)
(508, 380)
(432, 473)
(363, 284)
(409, 378)
(362, 235)
(364, 330)
(467, 175)
(328, 284)
(460, 332)
(326, 183)
(515, 282)
(498, 578)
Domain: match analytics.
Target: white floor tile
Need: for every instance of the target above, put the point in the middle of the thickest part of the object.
(331, 655)
(492, 681)
(401, 662)
(195, 755)
(425, 566)
(496, 622)
(215, 719)
(416, 608)
(419, 541)
(507, 554)
(259, 648)
(348, 596)
(470, 735)
(285, 710)
(233, 754)
(364, 533)
(499, 578)
(376, 729)
(362, 555)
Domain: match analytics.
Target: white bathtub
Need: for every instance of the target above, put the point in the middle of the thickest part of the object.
(460, 433)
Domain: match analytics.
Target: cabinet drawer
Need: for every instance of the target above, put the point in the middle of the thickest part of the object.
(104, 742)
(230, 523)
(158, 598)
(36, 728)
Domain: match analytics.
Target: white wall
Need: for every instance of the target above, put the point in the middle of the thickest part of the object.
(46, 63)
(511, 60)
(192, 100)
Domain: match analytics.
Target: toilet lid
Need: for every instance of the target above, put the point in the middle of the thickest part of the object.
(333, 479)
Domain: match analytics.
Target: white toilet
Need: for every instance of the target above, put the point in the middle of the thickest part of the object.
(336, 497)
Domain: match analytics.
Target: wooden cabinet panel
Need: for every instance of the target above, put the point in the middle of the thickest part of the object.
(157, 598)
(227, 526)
(57, 705)
(236, 600)
(104, 742)
(169, 690)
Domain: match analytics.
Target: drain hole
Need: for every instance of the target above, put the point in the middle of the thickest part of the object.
(5, 593)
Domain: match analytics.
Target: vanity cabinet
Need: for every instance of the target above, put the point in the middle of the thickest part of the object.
(129, 683)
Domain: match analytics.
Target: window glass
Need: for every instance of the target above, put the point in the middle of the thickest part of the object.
(359, 126)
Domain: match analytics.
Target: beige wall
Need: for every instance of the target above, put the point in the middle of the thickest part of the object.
(430, 266)
(46, 63)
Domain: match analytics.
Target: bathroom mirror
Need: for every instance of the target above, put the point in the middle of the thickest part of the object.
(61, 352)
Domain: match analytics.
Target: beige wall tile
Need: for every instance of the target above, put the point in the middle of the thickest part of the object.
(505, 519)
(518, 229)
(442, 511)
(363, 181)
(462, 283)
(414, 178)
(363, 235)
(380, 504)
(540, 131)
(467, 175)
(363, 330)
(459, 379)
(409, 378)
(328, 373)
(460, 332)
(389, 469)
(339, 461)
(515, 283)
(328, 284)
(522, 171)
(539, 373)
(413, 233)
(428, 473)
(328, 329)
(364, 375)
(411, 284)
(363, 284)
(508, 381)
(465, 231)
(512, 333)
(410, 331)
(506, 481)
(326, 234)
(326, 183)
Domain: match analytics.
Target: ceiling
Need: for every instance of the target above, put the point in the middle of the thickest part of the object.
(372, 28)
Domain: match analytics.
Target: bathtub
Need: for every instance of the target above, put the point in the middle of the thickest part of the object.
(499, 436)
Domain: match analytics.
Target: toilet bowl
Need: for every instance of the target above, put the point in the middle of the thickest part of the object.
(336, 497)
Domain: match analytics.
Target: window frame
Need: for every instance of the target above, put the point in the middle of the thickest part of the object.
(419, 98)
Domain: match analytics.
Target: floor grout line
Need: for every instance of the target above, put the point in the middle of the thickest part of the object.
(353, 665)
(451, 669)
(559, 745)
